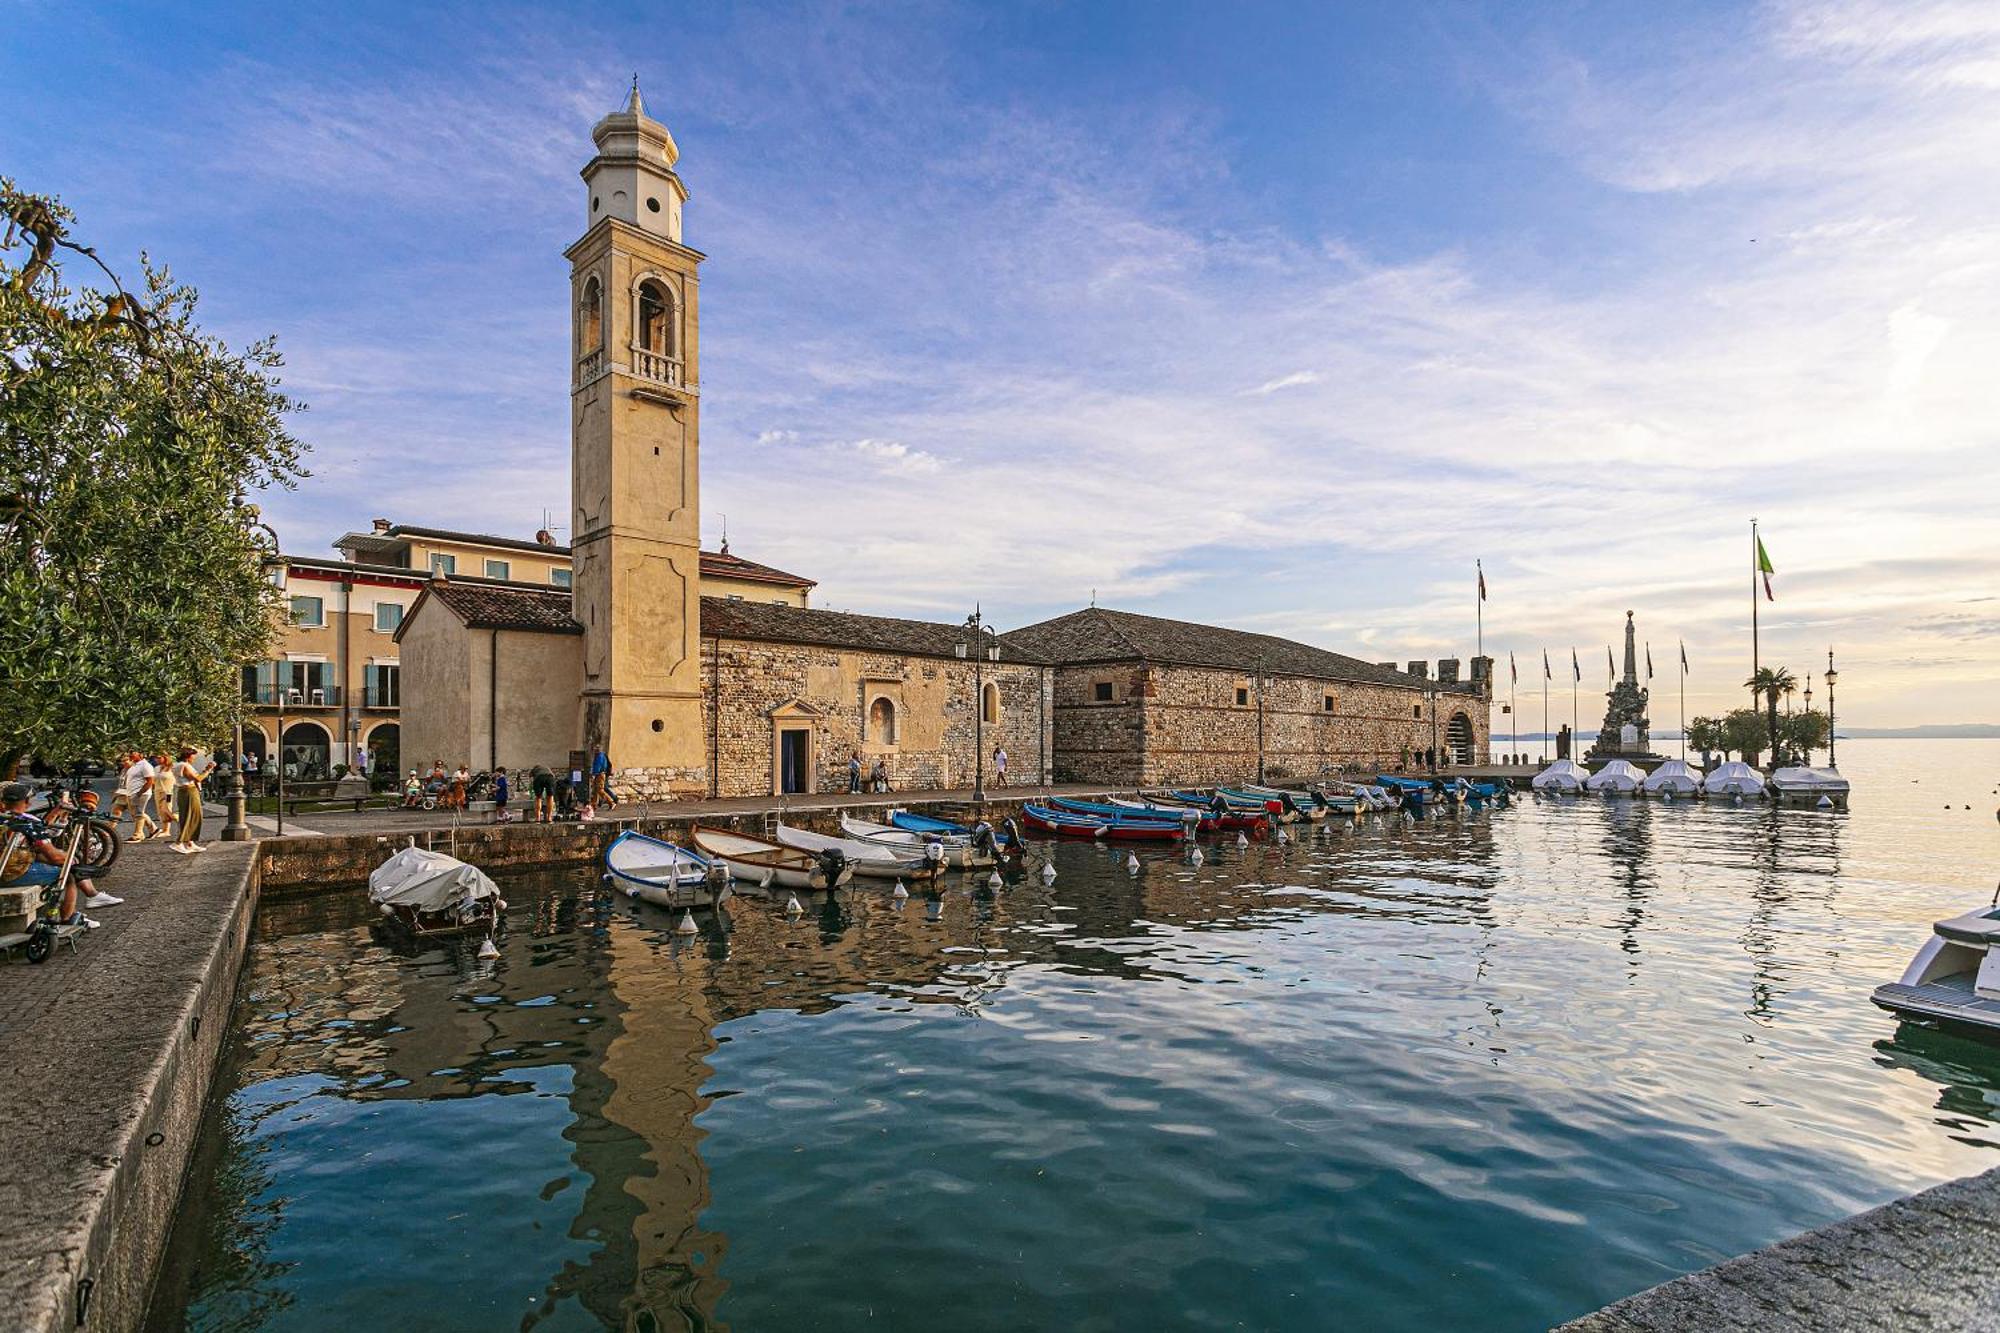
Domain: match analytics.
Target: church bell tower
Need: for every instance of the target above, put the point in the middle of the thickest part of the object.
(635, 461)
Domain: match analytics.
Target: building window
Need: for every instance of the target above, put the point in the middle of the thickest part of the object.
(388, 617)
(590, 334)
(308, 612)
(443, 564)
(989, 705)
(1242, 696)
(308, 683)
(1103, 692)
(882, 722)
(1326, 703)
(384, 683)
(497, 569)
(1417, 711)
(655, 314)
(559, 577)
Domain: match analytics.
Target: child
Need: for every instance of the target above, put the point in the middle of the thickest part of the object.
(500, 789)
(413, 791)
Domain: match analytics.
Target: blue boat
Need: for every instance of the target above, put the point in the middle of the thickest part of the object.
(903, 819)
(1415, 794)
(1123, 813)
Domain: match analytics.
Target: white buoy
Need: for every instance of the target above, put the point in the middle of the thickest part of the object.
(1736, 798)
(1242, 840)
(993, 881)
(1283, 837)
(1195, 857)
(899, 893)
(489, 949)
(687, 925)
(1048, 872)
(1826, 803)
(1132, 862)
(792, 907)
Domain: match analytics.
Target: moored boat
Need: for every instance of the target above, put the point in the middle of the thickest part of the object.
(1565, 777)
(1063, 823)
(428, 893)
(1620, 777)
(1734, 778)
(760, 861)
(960, 852)
(1955, 977)
(1809, 786)
(1248, 821)
(870, 860)
(661, 873)
(1674, 779)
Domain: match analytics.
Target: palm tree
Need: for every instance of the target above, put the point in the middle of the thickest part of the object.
(1770, 682)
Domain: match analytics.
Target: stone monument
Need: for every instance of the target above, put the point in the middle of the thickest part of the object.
(1623, 733)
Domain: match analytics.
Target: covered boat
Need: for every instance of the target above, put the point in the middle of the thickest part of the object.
(960, 852)
(1734, 778)
(1673, 778)
(1617, 778)
(660, 873)
(429, 893)
(1063, 823)
(760, 861)
(871, 860)
(1809, 786)
(1955, 977)
(1565, 777)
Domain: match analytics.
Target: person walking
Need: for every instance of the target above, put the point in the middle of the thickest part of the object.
(187, 802)
(999, 766)
(854, 771)
(501, 791)
(458, 780)
(600, 777)
(164, 783)
(135, 790)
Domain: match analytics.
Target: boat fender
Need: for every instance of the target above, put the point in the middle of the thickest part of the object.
(899, 893)
(489, 949)
(1242, 840)
(993, 881)
(687, 925)
(1194, 856)
(1048, 872)
(1132, 862)
(792, 907)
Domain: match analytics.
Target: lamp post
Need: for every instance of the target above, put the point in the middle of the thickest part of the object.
(237, 829)
(1809, 714)
(1831, 677)
(976, 625)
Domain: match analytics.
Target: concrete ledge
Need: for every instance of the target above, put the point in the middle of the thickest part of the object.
(1930, 1261)
(109, 1054)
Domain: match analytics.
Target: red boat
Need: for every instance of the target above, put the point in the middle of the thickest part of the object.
(1062, 824)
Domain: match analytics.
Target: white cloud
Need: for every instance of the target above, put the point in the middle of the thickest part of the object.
(1290, 381)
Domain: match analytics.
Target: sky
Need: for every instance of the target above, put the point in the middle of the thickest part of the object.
(1272, 315)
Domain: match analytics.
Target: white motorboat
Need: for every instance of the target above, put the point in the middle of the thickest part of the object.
(872, 860)
(1734, 778)
(959, 851)
(429, 893)
(1620, 777)
(1674, 779)
(1955, 977)
(1809, 786)
(1565, 777)
(662, 874)
(769, 864)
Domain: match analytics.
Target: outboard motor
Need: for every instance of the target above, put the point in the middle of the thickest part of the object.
(1011, 831)
(982, 839)
(934, 857)
(832, 861)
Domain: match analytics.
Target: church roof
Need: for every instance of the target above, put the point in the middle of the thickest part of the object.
(488, 604)
(1098, 634)
(732, 619)
(715, 564)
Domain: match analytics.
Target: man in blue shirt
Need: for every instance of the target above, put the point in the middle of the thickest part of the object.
(600, 777)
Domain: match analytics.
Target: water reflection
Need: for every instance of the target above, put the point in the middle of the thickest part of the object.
(1596, 1043)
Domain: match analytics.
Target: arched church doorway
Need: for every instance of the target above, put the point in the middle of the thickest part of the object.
(1463, 740)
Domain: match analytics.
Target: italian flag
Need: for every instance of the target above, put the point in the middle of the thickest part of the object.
(1764, 568)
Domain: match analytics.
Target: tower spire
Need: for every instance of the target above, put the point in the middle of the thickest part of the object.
(635, 105)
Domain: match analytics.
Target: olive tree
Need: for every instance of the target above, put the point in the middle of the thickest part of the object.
(132, 582)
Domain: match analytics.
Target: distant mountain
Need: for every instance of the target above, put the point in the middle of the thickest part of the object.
(1929, 732)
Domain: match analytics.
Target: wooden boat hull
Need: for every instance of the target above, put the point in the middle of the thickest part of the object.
(868, 860)
(765, 863)
(1056, 823)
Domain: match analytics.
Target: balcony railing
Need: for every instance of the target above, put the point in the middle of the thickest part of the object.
(374, 696)
(589, 366)
(271, 696)
(656, 366)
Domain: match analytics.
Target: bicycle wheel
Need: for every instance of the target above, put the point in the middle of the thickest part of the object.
(100, 847)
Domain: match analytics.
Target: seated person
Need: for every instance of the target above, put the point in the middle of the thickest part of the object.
(413, 790)
(47, 863)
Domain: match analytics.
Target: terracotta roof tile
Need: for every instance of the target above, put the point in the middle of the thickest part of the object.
(1098, 634)
(838, 629)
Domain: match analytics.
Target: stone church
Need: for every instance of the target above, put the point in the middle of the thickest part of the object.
(693, 694)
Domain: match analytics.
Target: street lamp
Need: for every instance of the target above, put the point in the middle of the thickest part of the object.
(237, 829)
(1809, 715)
(1831, 677)
(981, 654)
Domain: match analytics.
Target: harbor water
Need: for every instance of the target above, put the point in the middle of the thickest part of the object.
(1487, 1071)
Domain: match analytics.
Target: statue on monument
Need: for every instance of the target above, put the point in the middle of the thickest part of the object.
(1623, 733)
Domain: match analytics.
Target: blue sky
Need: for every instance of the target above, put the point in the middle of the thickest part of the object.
(1273, 315)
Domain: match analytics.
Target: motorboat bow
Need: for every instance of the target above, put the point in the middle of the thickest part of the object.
(1955, 977)
(1809, 786)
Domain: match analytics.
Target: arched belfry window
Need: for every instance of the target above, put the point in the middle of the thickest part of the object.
(656, 319)
(590, 317)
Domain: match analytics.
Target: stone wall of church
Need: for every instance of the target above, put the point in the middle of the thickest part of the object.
(1170, 725)
(915, 713)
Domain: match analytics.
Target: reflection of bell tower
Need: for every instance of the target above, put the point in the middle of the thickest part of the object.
(634, 459)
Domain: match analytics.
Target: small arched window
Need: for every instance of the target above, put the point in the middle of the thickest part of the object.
(590, 317)
(989, 705)
(882, 722)
(655, 313)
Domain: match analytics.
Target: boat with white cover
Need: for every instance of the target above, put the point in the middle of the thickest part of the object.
(429, 893)
(1955, 977)
(660, 873)
(871, 860)
(1809, 786)
(769, 864)
(1617, 778)
(1565, 777)
(1674, 778)
(960, 853)
(1734, 778)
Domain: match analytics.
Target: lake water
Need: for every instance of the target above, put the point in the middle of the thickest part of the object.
(1487, 1071)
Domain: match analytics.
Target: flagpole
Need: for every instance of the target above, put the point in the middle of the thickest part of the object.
(1545, 707)
(1479, 609)
(1684, 703)
(1756, 657)
(1513, 708)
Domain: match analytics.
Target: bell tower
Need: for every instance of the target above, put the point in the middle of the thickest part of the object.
(635, 462)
